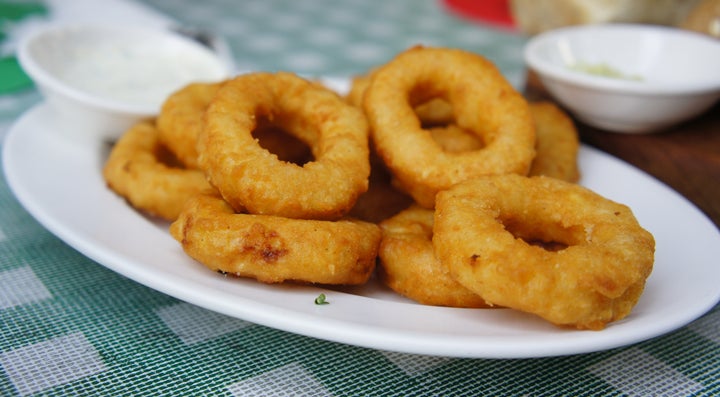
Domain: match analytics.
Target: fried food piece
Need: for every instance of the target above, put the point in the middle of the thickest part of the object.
(274, 249)
(544, 246)
(181, 119)
(250, 177)
(409, 267)
(144, 172)
(482, 101)
(557, 143)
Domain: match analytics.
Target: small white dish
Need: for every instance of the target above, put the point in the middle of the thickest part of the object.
(102, 79)
(663, 75)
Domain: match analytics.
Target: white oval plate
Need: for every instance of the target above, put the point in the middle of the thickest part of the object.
(60, 183)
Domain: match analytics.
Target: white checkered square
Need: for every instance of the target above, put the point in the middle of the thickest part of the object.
(636, 373)
(40, 366)
(193, 324)
(21, 286)
(289, 380)
(415, 365)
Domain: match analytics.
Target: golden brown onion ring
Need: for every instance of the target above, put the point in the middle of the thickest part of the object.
(181, 119)
(142, 170)
(248, 176)
(482, 101)
(544, 246)
(557, 143)
(409, 267)
(274, 249)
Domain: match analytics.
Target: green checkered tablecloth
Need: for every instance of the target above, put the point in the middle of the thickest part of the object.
(69, 326)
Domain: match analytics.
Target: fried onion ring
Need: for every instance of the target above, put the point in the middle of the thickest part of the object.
(274, 249)
(544, 246)
(248, 176)
(181, 119)
(482, 102)
(142, 171)
(557, 143)
(409, 267)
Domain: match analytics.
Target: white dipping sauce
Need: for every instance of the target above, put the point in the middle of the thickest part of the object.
(139, 68)
(133, 74)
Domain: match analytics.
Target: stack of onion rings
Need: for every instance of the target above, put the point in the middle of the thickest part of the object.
(259, 174)
(544, 246)
(280, 215)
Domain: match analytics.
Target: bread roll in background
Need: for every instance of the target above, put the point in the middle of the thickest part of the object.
(704, 18)
(535, 16)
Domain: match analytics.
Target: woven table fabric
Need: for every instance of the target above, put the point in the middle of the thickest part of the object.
(69, 326)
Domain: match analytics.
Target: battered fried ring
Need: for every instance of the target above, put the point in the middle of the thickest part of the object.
(249, 176)
(409, 267)
(181, 120)
(544, 246)
(432, 113)
(358, 85)
(482, 101)
(557, 143)
(141, 170)
(273, 249)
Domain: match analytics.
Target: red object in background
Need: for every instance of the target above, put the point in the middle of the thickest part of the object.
(495, 12)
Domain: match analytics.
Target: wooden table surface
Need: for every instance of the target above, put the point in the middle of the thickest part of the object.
(685, 157)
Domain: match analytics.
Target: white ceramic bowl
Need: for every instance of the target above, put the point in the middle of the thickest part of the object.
(668, 75)
(102, 79)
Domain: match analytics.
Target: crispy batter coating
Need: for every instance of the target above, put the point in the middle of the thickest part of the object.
(181, 119)
(544, 246)
(409, 267)
(557, 143)
(274, 249)
(248, 176)
(482, 101)
(143, 171)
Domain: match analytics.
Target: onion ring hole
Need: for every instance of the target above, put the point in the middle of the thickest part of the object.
(548, 236)
(279, 142)
(435, 116)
